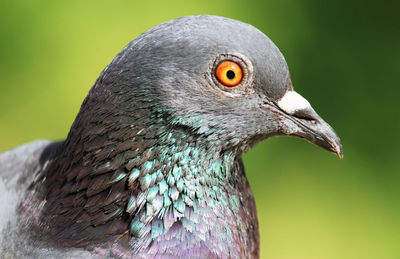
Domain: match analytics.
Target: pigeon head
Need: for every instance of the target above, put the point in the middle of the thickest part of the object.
(223, 80)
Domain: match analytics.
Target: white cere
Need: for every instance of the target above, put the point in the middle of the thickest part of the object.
(292, 102)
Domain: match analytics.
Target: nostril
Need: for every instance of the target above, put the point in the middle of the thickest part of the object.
(306, 114)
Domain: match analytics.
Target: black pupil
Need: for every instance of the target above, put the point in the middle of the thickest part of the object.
(230, 74)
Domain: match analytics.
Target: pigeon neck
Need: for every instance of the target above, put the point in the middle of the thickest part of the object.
(126, 177)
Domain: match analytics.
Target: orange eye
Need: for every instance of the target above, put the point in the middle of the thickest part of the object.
(229, 73)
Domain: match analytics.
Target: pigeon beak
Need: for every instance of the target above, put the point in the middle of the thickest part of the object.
(299, 119)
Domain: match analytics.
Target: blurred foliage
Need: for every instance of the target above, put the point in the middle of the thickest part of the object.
(344, 58)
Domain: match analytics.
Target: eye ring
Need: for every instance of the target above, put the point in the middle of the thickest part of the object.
(238, 85)
(229, 73)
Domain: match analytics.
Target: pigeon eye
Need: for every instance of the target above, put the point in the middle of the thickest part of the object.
(229, 73)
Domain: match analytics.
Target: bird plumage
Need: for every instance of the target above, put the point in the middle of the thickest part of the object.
(151, 167)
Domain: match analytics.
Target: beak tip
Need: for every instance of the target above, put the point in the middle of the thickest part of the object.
(338, 150)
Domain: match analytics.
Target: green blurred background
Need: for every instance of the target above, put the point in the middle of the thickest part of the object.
(344, 58)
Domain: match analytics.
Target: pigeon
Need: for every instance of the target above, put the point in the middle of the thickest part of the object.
(151, 167)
